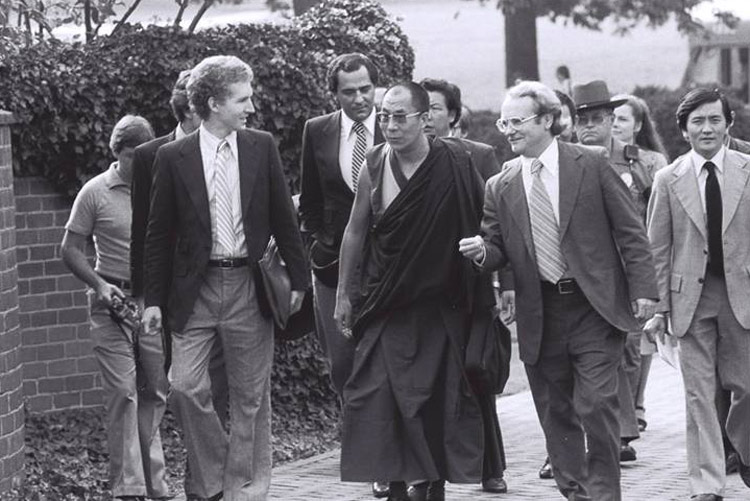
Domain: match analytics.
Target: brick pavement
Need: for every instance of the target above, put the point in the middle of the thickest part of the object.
(658, 474)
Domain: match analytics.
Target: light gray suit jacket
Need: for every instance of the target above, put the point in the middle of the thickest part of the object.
(679, 238)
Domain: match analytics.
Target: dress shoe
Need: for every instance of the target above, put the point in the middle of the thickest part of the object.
(733, 463)
(131, 498)
(627, 453)
(706, 497)
(546, 470)
(418, 492)
(642, 424)
(744, 472)
(436, 491)
(380, 489)
(215, 497)
(397, 491)
(496, 485)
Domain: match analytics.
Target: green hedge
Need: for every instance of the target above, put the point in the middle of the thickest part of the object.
(68, 97)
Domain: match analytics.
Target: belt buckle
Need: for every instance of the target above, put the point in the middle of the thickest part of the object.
(565, 287)
(225, 263)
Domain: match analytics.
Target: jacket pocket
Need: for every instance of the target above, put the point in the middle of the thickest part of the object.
(675, 282)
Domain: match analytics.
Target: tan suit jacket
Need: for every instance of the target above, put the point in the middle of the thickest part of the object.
(679, 238)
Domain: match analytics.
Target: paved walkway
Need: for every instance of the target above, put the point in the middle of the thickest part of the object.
(658, 474)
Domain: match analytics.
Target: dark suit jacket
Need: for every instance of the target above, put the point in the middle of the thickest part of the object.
(483, 157)
(178, 241)
(140, 197)
(602, 238)
(325, 199)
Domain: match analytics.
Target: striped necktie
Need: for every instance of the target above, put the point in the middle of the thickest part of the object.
(223, 200)
(358, 155)
(545, 229)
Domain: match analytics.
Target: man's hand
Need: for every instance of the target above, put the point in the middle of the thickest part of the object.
(508, 307)
(295, 301)
(151, 320)
(472, 248)
(343, 315)
(643, 309)
(657, 326)
(107, 293)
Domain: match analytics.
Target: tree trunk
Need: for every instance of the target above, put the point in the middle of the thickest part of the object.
(521, 59)
(87, 20)
(302, 6)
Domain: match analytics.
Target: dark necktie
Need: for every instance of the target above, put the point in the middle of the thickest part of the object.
(714, 221)
(358, 154)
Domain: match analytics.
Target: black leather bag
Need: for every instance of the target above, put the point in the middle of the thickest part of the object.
(488, 353)
(277, 286)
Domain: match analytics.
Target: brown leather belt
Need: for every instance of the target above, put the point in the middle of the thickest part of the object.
(122, 284)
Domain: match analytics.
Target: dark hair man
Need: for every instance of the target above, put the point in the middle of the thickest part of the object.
(445, 112)
(333, 153)
(408, 307)
(583, 273)
(219, 194)
(135, 387)
(699, 226)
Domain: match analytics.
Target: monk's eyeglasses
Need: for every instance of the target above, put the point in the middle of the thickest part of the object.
(398, 118)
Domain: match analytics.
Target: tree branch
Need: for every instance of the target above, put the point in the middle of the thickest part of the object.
(183, 5)
(125, 17)
(204, 7)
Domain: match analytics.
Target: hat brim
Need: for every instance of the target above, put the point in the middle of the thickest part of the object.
(611, 104)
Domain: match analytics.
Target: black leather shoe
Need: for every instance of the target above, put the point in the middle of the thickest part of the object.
(642, 424)
(744, 472)
(397, 491)
(418, 492)
(380, 489)
(627, 453)
(545, 471)
(496, 485)
(436, 491)
(131, 498)
(706, 497)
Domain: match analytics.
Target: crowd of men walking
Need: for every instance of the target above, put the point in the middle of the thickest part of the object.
(420, 241)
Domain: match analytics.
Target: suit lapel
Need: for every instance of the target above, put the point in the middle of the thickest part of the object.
(378, 134)
(735, 178)
(569, 176)
(515, 194)
(685, 187)
(191, 172)
(247, 161)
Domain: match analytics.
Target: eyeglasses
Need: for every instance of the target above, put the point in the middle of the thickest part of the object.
(505, 124)
(398, 118)
(594, 119)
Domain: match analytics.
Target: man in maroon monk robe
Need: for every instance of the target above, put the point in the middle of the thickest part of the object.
(407, 298)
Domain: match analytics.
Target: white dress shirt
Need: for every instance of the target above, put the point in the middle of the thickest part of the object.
(550, 176)
(347, 140)
(702, 174)
(209, 147)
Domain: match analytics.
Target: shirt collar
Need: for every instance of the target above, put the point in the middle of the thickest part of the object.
(112, 179)
(212, 142)
(717, 160)
(550, 158)
(179, 132)
(347, 123)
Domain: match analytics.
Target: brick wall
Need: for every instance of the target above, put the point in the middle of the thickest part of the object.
(11, 397)
(59, 369)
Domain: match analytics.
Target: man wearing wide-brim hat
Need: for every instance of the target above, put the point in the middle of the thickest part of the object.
(595, 111)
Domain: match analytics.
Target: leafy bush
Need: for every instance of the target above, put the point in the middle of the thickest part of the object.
(663, 103)
(68, 97)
